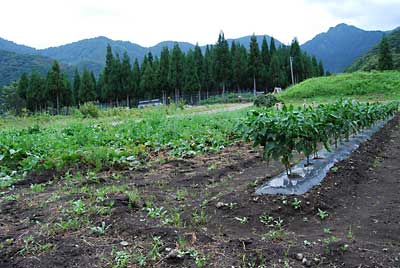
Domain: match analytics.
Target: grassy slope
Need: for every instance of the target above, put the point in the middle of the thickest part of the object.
(371, 86)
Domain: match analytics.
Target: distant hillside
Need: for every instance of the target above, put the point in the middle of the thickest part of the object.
(156, 50)
(13, 47)
(91, 53)
(337, 48)
(369, 61)
(371, 86)
(245, 41)
(13, 65)
(341, 45)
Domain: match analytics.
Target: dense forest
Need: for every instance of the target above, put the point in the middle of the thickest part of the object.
(13, 65)
(384, 56)
(221, 68)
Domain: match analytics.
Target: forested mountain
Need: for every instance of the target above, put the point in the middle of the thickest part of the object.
(369, 61)
(341, 45)
(175, 75)
(10, 46)
(90, 53)
(13, 65)
(337, 49)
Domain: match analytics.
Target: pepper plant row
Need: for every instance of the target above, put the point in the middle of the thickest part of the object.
(283, 132)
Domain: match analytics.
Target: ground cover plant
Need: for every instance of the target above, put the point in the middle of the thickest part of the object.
(112, 141)
(282, 132)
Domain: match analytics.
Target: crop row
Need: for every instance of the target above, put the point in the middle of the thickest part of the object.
(283, 132)
(96, 144)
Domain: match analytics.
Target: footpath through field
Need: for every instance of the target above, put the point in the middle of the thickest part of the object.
(214, 111)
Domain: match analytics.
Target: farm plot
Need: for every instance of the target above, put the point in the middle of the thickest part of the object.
(202, 212)
(97, 144)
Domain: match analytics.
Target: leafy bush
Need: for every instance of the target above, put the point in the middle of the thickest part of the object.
(266, 100)
(281, 132)
(89, 109)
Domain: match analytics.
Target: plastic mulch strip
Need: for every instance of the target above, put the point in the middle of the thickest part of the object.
(311, 175)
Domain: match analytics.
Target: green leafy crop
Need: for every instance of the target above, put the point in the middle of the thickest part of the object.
(283, 132)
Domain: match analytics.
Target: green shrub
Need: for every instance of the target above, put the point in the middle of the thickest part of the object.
(89, 109)
(267, 100)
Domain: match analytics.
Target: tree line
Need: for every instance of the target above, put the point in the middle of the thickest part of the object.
(385, 56)
(220, 67)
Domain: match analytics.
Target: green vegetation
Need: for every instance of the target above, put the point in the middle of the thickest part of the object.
(111, 141)
(281, 132)
(385, 60)
(13, 65)
(364, 86)
(384, 56)
(266, 101)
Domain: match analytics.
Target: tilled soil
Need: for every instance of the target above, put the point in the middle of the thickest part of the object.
(202, 212)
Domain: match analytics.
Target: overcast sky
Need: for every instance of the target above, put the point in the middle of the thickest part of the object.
(44, 23)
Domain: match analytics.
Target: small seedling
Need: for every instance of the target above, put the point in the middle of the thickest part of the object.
(350, 234)
(296, 203)
(328, 241)
(181, 194)
(100, 230)
(232, 206)
(278, 223)
(327, 231)
(133, 196)
(266, 219)
(253, 184)
(156, 212)
(140, 259)
(322, 214)
(199, 217)
(37, 188)
(344, 247)
(78, 207)
(156, 245)
(121, 259)
(242, 220)
(273, 235)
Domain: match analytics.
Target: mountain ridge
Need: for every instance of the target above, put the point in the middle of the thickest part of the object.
(341, 45)
(13, 65)
(338, 47)
(369, 60)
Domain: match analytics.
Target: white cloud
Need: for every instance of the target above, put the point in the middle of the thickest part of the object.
(44, 23)
(368, 14)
